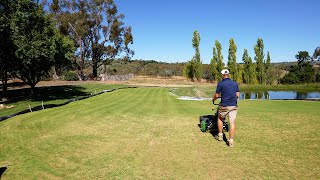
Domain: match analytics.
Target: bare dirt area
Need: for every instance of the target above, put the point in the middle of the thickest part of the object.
(18, 84)
(175, 81)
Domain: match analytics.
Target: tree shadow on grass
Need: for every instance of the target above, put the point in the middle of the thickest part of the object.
(46, 93)
(14, 84)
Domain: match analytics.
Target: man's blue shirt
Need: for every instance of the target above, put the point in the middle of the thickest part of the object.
(227, 89)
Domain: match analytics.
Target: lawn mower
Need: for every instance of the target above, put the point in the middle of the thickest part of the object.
(210, 122)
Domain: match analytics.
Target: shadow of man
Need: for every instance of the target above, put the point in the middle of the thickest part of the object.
(214, 133)
(2, 170)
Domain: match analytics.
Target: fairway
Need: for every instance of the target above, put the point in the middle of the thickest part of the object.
(146, 133)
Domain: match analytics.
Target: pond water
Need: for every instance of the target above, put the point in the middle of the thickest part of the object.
(280, 95)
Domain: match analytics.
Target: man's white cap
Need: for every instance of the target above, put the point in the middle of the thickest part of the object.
(225, 71)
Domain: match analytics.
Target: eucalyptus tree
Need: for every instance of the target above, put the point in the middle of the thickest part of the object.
(232, 59)
(259, 58)
(97, 28)
(302, 57)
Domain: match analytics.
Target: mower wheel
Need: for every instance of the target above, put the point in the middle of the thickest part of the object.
(203, 125)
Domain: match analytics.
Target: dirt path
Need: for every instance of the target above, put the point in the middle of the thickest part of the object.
(175, 81)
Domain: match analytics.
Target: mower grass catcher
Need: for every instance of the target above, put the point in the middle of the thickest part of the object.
(210, 123)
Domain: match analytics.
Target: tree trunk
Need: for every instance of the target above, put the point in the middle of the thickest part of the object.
(32, 90)
(4, 84)
(94, 68)
(55, 76)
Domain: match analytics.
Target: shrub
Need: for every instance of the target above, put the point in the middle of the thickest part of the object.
(71, 76)
(301, 73)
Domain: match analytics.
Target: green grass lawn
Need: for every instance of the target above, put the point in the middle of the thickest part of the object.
(20, 99)
(146, 133)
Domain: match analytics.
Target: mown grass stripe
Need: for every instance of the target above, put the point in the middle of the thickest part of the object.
(148, 134)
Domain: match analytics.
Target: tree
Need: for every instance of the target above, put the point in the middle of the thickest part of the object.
(302, 57)
(71, 19)
(268, 69)
(64, 53)
(303, 73)
(7, 48)
(220, 64)
(247, 65)
(196, 58)
(232, 59)
(268, 62)
(98, 29)
(189, 70)
(252, 71)
(259, 58)
(214, 66)
(239, 74)
(300, 73)
(34, 40)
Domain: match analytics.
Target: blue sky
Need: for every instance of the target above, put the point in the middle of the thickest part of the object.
(163, 29)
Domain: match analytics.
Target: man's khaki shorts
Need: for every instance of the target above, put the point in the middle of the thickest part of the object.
(230, 111)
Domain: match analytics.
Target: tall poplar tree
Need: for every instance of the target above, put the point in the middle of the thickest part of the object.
(247, 65)
(239, 74)
(196, 57)
(220, 64)
(268, 69)
(214, 66)
(232, 59)
(253, 72)
(259, 58)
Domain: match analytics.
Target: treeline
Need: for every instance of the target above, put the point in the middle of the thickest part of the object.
(251, 71)
(59, 41)
(144, 68)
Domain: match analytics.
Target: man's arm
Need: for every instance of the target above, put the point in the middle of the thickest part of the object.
(215, 97)
(238, 94)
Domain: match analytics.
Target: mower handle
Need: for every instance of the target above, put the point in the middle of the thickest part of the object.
(215, 103)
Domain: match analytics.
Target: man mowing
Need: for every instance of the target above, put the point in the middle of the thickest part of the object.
(228, 91)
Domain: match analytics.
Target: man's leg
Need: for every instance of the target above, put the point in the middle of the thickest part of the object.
(232, 130)
(220, 126)
(232, 118)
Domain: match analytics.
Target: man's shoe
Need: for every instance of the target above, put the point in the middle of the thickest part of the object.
(231, 143)
(219, 138)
